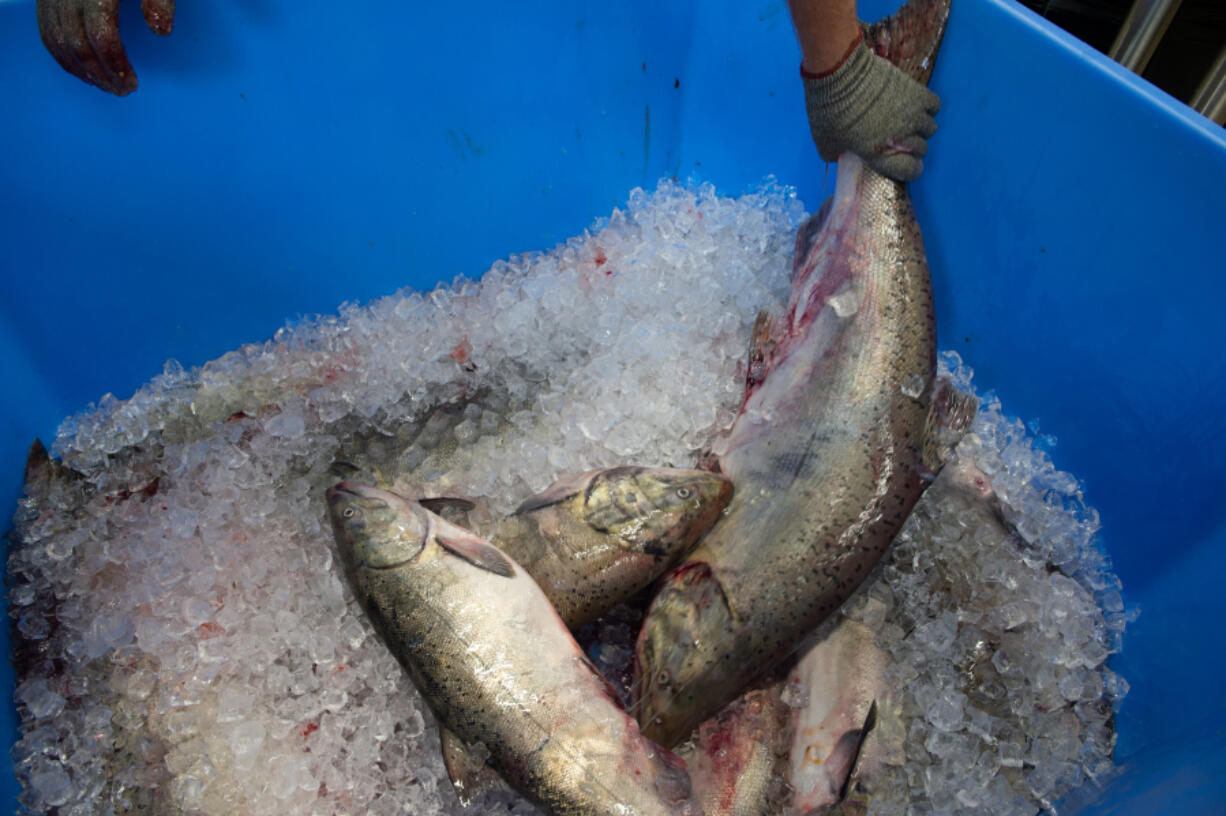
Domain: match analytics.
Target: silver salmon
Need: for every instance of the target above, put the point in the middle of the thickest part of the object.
(594, 539)
(496, 664)
(826, 451)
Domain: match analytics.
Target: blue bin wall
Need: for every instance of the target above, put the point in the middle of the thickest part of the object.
(282, 157)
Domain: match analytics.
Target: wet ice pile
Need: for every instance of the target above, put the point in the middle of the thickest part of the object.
(187, 644)
(188, 641)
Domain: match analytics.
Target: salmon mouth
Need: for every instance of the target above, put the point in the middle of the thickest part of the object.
(350, 489)
(340, 490)
(360, 490)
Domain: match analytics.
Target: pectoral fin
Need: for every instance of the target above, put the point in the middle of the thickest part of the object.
(470, 776)
(471, 547)
(842, 760)
(559, 491)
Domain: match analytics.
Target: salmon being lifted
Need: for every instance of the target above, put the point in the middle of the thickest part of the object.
(825, 455)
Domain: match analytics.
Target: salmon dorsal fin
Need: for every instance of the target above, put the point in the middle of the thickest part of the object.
(39, 465)
(910, 37)
(42, 470)
(453, 509)
(437, 503)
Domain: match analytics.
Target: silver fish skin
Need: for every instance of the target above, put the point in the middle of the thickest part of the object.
(851, 724)
(826, 451)
(495, 663)
(593, 540)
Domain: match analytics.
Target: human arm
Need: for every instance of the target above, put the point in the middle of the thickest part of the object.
(856, 100)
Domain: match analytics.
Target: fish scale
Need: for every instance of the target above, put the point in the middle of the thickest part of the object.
(826, 453)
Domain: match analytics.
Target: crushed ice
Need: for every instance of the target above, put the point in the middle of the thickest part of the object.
(188, 645)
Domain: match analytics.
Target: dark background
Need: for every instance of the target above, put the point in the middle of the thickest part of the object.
(1184, 54)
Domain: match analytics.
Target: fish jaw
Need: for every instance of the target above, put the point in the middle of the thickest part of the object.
(375, 528)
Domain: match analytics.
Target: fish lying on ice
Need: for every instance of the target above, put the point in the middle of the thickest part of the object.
(496, 664)
(591, 541)
(826, 451)
(793, 745)
(594, 539)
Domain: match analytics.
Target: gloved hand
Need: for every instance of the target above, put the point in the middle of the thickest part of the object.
(873, 109)
(83, 36)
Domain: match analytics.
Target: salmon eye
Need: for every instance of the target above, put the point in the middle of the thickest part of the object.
(663, 678)
(348, 512)
(684, 492)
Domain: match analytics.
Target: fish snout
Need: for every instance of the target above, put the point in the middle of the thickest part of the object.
(353, 489)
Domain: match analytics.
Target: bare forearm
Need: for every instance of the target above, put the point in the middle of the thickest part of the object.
(826, 29)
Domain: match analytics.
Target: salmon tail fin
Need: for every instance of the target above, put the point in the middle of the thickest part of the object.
(42, 471)
(911, 36)
(39, 465)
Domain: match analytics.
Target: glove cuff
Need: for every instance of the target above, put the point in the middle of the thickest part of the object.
(834, 90)
(842, 60)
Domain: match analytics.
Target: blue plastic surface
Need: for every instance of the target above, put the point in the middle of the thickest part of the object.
(282, 157)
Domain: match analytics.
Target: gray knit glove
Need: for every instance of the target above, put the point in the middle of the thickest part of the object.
(873, 109)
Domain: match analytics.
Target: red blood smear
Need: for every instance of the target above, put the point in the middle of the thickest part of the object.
(600, 256)
(308, 729)
(209, 629)
(461, 351)
(692, 573)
